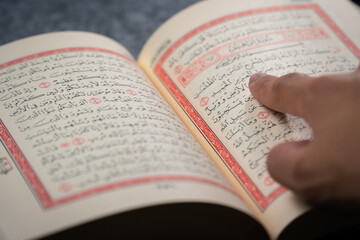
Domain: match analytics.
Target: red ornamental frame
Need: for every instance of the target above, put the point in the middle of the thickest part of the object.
(258, 198)
(39, 189)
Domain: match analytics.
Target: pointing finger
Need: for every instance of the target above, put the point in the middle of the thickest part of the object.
(288, 94)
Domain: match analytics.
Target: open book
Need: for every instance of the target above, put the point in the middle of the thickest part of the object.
(87, 133)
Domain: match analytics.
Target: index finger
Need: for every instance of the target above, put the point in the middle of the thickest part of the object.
(288, 94)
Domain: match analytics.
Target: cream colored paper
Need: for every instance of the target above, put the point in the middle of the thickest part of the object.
(209, 51)
(96, 135)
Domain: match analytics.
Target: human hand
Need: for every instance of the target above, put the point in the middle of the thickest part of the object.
(328, 166)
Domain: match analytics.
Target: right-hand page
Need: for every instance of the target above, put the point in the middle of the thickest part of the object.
(201, 61)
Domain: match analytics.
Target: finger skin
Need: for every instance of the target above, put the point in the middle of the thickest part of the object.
(292, 164)
(286, 163)
(288, 93)
(328, 166)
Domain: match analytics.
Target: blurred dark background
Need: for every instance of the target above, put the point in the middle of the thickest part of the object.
(130, 22)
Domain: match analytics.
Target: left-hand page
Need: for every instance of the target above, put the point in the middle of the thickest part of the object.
(82, 128)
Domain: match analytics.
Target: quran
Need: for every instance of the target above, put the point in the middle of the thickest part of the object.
(172, 144)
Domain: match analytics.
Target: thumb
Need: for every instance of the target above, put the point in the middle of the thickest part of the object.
(290, 165)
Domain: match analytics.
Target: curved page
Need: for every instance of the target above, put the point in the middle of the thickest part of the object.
(84, 134)
(201, 61)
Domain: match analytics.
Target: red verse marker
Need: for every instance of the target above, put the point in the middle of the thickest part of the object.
(131, 92)
(95, 100)
(78, 141)
(269, 181)
(263, 115)
(204, 101)
(44, 85)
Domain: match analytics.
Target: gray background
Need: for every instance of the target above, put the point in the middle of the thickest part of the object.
(130, 22)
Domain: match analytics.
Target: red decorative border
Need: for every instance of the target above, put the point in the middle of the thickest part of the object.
(215, 56)
(63, 50)
(261, 201)
(24, 165)
(36, 185)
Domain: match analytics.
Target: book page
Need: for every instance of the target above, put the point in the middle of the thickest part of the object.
(84, 134)
(201, 61)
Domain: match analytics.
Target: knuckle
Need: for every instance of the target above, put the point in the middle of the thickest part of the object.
(329, 86)
(278, 88)
(293, 75)
(317, 85)
(316, 89)
(283, 86)
(281, 82)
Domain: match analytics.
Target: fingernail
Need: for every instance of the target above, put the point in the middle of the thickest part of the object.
(256, 77)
